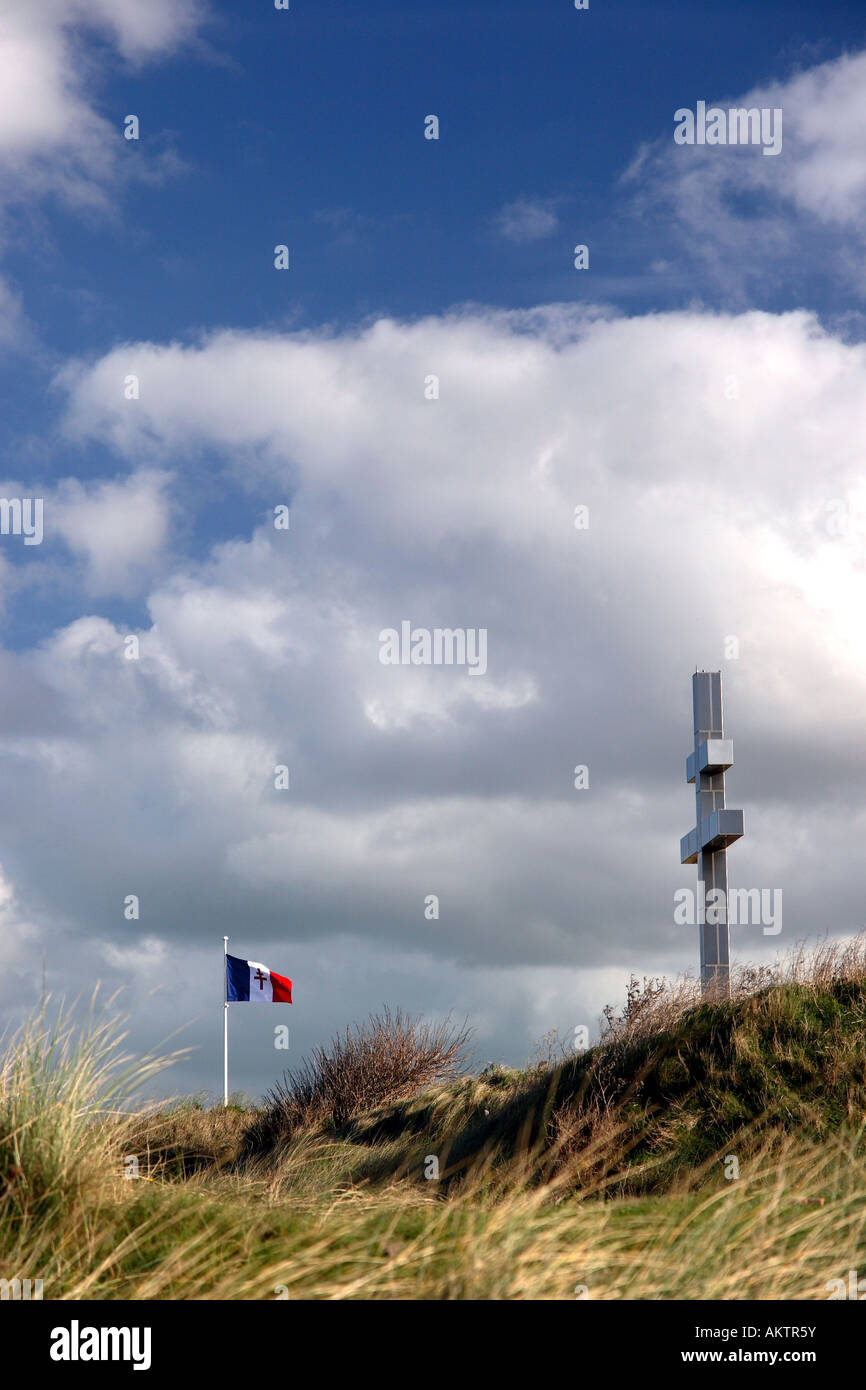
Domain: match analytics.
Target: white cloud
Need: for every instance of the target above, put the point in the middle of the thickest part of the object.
(118, 528)
(708, 501)
(140, 31)
(528, 219)
(52, 136)
(751, 219)
(20, 954)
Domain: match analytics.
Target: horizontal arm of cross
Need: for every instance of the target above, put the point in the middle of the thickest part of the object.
(717, 831)
(713, 755)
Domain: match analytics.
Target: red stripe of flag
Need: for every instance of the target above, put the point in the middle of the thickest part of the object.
(282, 989)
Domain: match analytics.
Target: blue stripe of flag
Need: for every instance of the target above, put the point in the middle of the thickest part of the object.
(237, 979)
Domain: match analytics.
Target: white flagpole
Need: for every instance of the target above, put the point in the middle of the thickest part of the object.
(225, 1021)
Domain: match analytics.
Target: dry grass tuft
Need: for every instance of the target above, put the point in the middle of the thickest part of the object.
(658, 1004)
(388, 1059)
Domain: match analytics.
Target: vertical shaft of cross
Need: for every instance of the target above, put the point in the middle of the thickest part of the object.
(716, 826)
(712, 863)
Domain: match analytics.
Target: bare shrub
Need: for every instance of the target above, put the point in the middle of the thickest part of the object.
(389, 1058)
(644, 1007)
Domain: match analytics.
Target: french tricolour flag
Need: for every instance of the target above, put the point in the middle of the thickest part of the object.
(247, 981)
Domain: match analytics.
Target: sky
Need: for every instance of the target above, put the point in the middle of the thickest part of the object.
(426, 393)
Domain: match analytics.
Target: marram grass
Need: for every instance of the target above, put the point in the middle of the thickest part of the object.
(526, 1210)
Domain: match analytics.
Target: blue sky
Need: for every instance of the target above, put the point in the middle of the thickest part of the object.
(700, 386)
(306, 128)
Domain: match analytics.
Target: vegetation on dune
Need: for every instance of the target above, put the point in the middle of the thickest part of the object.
(389, 1058)
(610, 1172)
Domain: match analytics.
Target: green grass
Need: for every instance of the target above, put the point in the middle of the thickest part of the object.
(608, 1171)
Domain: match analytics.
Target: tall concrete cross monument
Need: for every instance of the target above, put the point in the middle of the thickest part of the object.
(716, 827)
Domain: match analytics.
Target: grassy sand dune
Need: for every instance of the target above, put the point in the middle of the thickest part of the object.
(705, 1149)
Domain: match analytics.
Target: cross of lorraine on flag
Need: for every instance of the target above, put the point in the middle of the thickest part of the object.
(248, 982)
